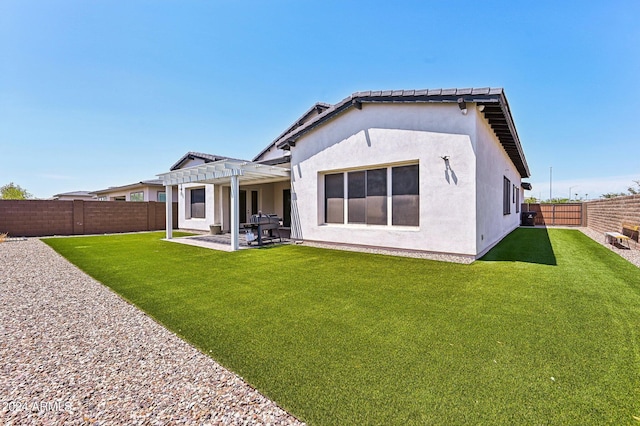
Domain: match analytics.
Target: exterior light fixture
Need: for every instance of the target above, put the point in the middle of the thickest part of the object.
(462, 105)
(480, 108)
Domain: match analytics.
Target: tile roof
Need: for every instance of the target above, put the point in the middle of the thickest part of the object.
(76, 193)
(496, 111)
(150, 182)
(208, 158)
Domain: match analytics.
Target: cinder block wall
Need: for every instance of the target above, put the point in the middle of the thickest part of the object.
(609, 214)
(36, 218)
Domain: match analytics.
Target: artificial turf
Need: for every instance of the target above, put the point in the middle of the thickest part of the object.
(543, 330)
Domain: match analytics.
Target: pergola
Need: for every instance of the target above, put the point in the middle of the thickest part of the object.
(231, 172)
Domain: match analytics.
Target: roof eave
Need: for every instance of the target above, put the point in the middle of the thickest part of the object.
(483, 96)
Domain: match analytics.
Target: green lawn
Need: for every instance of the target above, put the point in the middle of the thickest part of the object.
(543, 330)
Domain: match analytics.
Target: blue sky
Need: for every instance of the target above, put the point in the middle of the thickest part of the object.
(105, 93)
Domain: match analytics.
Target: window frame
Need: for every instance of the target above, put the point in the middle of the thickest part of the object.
(136, 194)
(403, 194)
(506, 196)
(374, 201)
(337, 193)
(192, 204)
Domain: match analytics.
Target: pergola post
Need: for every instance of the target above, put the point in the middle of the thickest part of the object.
(235, 213)
(168, 192)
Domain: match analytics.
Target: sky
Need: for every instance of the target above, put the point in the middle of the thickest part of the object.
(106, 93)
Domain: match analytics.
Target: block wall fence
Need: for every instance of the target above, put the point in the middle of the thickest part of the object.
(37, 218)
(609, 214)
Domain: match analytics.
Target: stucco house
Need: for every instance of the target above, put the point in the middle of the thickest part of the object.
(429, 170)
(146, 190)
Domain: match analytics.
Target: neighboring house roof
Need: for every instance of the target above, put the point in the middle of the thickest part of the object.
(496, 111)
(78, 194)
(151, 182)
(207, 158)
(317, 109)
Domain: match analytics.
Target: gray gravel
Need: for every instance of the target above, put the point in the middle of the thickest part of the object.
(442, 257)
(73, 352)
(632, 254)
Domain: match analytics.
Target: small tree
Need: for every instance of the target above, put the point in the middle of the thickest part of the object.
(559, 201)
(613, 194)
(12, 191)
(635, 188)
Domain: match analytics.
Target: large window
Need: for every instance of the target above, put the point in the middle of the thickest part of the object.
(506, 196)
(136, 196)
(368, 193)
(197, 203)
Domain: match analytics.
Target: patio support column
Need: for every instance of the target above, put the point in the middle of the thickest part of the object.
(235, 213)
(168, 192)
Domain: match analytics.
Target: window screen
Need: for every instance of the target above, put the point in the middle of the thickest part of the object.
(377, 197)
(357, 197)
(136, 196)
(162, 197)
(405, 203)
(334, 198)
(197, 203)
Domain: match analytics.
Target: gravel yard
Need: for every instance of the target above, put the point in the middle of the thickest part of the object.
(73, 352)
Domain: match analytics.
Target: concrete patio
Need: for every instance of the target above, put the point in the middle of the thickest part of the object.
(222, 242)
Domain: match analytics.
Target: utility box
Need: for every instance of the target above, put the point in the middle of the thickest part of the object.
(528, 218)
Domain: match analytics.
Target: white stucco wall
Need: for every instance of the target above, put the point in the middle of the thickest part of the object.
(493, 165)
(381, 135)
(184, 207)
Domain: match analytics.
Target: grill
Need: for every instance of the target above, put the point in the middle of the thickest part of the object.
(263, 229)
